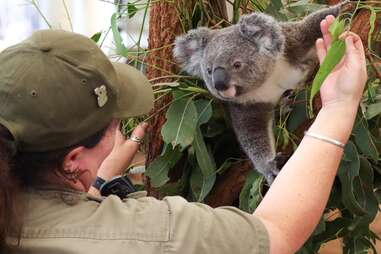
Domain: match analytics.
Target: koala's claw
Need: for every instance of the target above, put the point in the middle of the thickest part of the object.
(270, 176)
(281, 159)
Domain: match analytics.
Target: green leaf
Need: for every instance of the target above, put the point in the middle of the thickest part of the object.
(348, 170)
(336, 29)
(204, 159)
(131, 10)
(372, 21)
(320, 228)
(214, 128)
(159, 168)
(274, 10)
(180, 127)
(298, 114)
(204, 110)
(200, 184)
(250, 195)
(333, 229)
(302, 7)
(96, 37)
(196, 15)
(120, 48)
(367, 194)
(373, 110)
(333, 57)
(364, 139)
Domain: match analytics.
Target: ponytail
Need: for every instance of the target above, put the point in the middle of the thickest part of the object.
(9, 215)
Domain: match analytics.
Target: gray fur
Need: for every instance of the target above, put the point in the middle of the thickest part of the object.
(259, 58)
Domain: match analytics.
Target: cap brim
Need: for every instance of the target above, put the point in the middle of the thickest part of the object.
(135, 94)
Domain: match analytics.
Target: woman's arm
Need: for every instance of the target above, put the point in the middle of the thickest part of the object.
(295, 202)
(120, 158)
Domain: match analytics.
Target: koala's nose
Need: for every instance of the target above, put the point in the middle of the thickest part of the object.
(220, 79)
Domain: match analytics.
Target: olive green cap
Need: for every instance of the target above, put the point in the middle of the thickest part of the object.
(58, 88)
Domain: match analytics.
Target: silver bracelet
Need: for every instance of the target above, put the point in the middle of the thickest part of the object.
(324, 138)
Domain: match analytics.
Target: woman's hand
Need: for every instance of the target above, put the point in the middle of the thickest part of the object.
(120, 156)
(347, 81)
(122, 153)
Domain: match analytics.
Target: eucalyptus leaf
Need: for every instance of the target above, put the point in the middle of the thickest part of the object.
(336, 29)
(348, 170)
(298, 114)
(204, 159)
(120, 48)
(373, 110)
(200, 184)
(204, 110)
(159, 168)
(131, 9)
(364, 139)
(250, 195)
(96, 37)
(333, 57)
(372, 21)
(274, 9)
(180, 127)
(196, 15)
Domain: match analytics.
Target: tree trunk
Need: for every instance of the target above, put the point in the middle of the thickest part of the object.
(164, 25)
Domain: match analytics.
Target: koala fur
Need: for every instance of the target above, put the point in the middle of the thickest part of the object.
(249, 66)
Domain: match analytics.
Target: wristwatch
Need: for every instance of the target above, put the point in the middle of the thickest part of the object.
(120, 186)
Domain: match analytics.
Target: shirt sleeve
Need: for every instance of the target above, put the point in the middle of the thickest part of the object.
(198, 228)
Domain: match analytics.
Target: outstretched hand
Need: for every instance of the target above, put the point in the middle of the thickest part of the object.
(122, 154)
(346, 82)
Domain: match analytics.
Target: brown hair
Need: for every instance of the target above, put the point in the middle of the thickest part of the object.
(25, 169)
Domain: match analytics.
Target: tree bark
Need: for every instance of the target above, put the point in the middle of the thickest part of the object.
(229, 185)
(164, 25)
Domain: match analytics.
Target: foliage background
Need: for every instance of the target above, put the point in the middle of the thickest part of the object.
(192, 149)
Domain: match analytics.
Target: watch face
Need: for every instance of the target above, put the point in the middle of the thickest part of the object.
(120, 186)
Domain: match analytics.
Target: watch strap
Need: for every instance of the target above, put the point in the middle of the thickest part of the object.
(98, 183)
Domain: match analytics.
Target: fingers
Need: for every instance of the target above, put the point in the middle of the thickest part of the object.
(321, 50)
(322, 45)
(354, 47)
(324, 26)
(139, 131)
(353, 41)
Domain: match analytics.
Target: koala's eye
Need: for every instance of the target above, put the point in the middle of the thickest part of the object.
(209, 70)
(237, 65)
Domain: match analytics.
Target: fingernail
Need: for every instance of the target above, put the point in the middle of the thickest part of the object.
(349, 39)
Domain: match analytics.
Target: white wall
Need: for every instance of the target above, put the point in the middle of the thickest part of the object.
(19, 18)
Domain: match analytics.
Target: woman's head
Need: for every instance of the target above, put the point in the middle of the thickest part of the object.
(59, 96)
(57, 88)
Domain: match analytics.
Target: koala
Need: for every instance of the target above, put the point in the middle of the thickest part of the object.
(249, 66)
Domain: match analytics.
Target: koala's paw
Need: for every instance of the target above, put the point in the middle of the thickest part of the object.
(347, 6)
(270, 177)
(270, 172)
(281, 159)
(263, 30)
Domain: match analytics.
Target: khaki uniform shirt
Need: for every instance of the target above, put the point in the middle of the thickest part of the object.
(69, 222)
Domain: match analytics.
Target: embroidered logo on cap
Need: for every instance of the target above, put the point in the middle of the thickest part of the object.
(101, 93)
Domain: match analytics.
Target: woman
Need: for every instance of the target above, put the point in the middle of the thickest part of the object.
(60, 99)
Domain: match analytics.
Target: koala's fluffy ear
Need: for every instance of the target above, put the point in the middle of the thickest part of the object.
(264, 31)
(189, 49)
